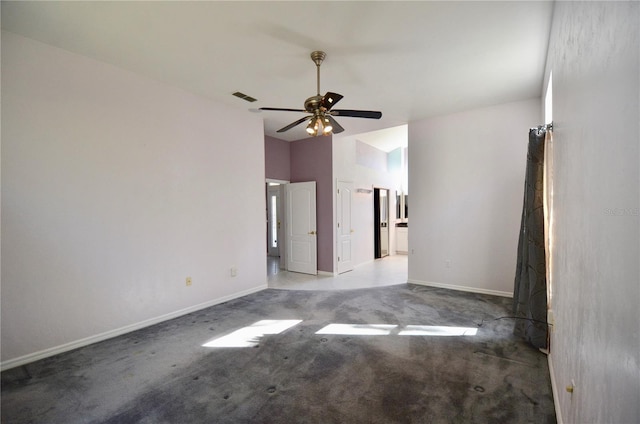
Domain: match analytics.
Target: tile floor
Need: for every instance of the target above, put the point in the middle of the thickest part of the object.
(388, 271)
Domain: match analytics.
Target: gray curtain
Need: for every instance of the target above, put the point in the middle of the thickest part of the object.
(530, 287)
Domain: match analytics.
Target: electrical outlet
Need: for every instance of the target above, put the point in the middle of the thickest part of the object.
(188, 281)
(234, 271)
(571, 387)
(447, 263)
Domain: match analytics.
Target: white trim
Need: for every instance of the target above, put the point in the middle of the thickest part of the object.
(554, 390)
(461, 288)
(31, 357)
(327, 273)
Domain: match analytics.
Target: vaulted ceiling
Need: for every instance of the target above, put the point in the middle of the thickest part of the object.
(410, 60)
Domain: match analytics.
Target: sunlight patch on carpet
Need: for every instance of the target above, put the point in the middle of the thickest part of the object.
(358, 329)
(250, 336)
(389, 329)
(435, 330)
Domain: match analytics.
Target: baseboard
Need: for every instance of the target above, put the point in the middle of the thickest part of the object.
(461, 288)
(36, 356)
(327, 273)
(554, 390)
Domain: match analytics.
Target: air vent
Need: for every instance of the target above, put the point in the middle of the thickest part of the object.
(244, 96)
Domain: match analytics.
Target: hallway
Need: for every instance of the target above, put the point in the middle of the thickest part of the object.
(388, 271)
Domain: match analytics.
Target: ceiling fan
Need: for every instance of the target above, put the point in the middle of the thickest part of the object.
(321, 119)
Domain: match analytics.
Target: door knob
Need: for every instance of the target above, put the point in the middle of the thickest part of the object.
(312, 232)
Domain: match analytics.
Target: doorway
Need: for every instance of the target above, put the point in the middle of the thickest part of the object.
(274, 222)
(381, 222)
(275, 248)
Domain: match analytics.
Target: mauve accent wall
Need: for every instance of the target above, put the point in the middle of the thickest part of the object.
(311, 160)
(277, 155)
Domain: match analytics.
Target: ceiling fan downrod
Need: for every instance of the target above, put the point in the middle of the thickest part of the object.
(318, 57)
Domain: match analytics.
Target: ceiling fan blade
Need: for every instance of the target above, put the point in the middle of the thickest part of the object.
(293, 124)
(330, 99)
(337, 128)
(282, 109)
(371, 114)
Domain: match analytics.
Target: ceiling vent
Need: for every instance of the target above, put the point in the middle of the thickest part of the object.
(244, 96)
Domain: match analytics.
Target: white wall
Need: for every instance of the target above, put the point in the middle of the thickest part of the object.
(594, 55)
(346, 168)
(115, 188)
(466, 173)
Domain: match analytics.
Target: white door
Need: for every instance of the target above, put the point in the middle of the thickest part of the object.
(343, 213)
(282, 248)
(301, 228)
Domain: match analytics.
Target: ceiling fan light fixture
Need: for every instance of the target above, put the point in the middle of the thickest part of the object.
(312, 128)
(326, 126)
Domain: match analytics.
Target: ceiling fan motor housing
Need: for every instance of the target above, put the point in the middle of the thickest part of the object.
(313, 103)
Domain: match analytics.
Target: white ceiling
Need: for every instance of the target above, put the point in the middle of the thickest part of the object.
(410, 60)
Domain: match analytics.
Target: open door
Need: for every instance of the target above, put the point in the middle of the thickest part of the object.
(300, 225)
(344, 228)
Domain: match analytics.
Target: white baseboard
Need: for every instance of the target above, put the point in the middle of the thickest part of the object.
(327, 273)
(554, 390)
(461, 288)
(31, 357)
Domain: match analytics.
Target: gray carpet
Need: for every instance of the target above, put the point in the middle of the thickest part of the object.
(163, 374)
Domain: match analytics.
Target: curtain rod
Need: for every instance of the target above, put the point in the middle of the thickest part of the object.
(547, 127)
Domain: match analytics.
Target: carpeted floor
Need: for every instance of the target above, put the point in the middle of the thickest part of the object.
(412, 369)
